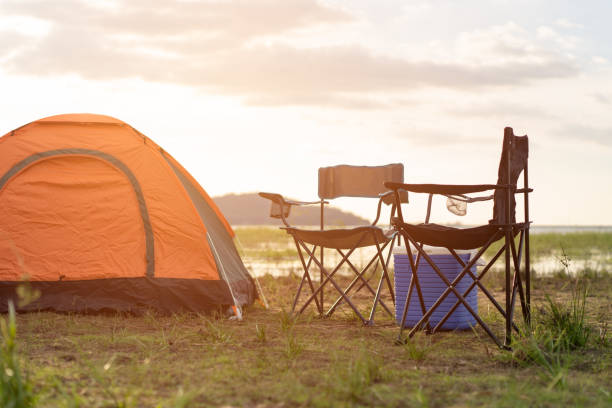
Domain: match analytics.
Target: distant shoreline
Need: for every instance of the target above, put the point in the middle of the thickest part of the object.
(536, 229)
(542, 229)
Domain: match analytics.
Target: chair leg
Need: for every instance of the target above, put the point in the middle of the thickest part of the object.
(527, 275)
(307, 274)
(385, 267)
(298, 292)
(297, 295)
(396, 236)
(414, 283)
(376, 297)
(414, 266)
(385, 276)
(518, 281)
(400, 340)
(508, 336)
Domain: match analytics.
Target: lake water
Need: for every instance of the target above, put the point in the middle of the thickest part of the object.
(540, 265)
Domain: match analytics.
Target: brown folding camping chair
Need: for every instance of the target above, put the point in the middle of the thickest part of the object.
(344, 181)
(502, 226)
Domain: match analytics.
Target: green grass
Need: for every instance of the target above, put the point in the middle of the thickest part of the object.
(265, 244)
(251, 237)
(559, 330)
(273, 359)
(575, 244)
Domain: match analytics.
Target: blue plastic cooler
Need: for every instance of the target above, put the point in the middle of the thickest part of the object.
(432, 287)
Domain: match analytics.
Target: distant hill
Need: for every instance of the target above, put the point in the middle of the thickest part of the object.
(251, 209)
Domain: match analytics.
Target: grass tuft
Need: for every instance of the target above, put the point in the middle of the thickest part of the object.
(260, 331)
(603, 338)
(287, 320)
(15, 387)
(415, 351)
(420, 398)
(557, 330)
(293, 347)
(565, 322)
(359, 375)
(214, 332)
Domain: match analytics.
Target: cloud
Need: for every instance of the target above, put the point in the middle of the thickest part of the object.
(564, 41)
(567, 24)
(600, 60)
(213, 46)
(598, 135)
(239, 19)
(432, 137)
(499, 109)
(602, 98)
(322, 100)
(8, 41)
(352, 69)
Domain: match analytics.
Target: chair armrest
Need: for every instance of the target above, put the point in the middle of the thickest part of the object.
(279, 199)
(389, 197)
(445, 188)
(281, 208)
(275, 198)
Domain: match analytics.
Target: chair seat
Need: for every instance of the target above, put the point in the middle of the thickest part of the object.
(450, 237)
(345, 238)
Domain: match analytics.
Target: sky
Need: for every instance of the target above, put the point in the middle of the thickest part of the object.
(256, 95)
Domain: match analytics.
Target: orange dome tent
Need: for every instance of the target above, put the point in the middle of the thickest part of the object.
(97, 217)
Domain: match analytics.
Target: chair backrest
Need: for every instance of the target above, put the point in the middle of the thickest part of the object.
(515, 153)
(357, 181)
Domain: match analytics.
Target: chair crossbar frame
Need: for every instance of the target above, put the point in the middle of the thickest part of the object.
(360, 277)
(509, 249)
(328, 276)
(302, 247)
(395, 237)
(450, 287)
(476, 282)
